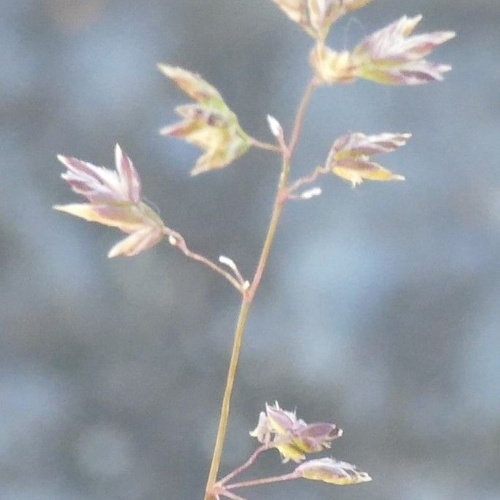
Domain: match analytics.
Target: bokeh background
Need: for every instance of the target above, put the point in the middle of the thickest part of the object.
(380, 309)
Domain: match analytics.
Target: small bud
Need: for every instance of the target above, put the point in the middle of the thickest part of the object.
(310, 193)
(275, 126)
(172, 240)
(228, 262)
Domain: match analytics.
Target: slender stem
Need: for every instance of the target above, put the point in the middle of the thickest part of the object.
(226, 400)
(299, 117)
(249, 294)
(281, 194)
(240, 327)
(273, 226)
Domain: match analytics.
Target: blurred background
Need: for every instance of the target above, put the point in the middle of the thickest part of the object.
(380, 309)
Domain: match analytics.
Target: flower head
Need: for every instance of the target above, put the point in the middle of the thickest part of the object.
(291, 436)
(350, 155)
(208, 123)
(114, 200)
(391, 55)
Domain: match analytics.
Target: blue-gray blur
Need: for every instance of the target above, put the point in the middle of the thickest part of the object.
(380, 309)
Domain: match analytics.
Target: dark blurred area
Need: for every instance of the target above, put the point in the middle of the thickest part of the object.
(380, 309)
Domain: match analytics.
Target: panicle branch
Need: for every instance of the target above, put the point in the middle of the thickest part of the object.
(294, 439)
(115, 199)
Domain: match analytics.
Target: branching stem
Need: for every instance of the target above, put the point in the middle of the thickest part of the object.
(306, 180)
(249, 294)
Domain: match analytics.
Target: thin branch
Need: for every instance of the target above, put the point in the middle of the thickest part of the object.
(299, 117)
(261, 481)
(177, 240)
(231, 495)
(265, 145)
(305, 180)
(244, 466)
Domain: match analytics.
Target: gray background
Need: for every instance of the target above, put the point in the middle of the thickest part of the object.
(380, 309)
